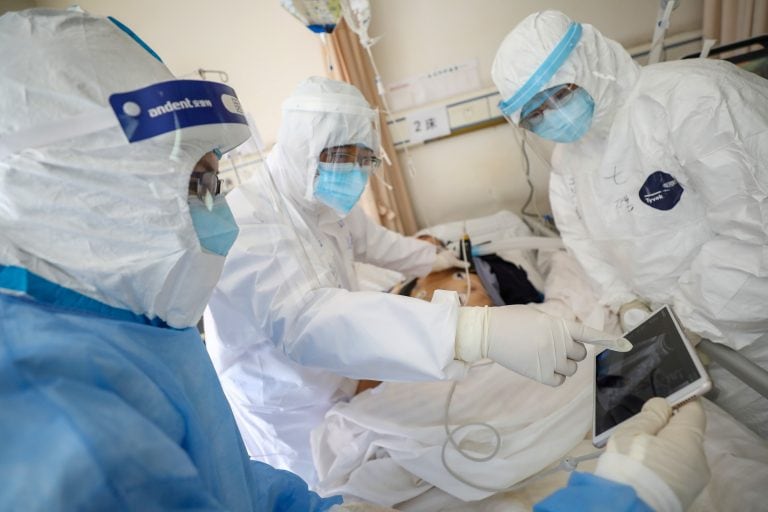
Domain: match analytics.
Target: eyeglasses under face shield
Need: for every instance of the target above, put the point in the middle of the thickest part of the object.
(553, 98)
(204, 181)
(345, 157)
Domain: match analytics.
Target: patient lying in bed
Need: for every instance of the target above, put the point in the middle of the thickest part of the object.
(510, 286)
(386, 444)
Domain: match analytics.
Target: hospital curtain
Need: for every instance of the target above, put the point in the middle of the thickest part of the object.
(389, 205)
(730, 21)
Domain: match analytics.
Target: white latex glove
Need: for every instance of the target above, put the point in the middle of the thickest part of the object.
(360, 507)
(539, 346)
(445, 259)
(660, 454)
(632, 314)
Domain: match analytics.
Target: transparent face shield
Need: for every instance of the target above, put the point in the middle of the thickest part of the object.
(536, 150)
(173, 117)
(562, 113)
(530, 110)
(341, 158)
(536, 163)
(286, 252)
(532, 106)
(181, 126)
(355, 125)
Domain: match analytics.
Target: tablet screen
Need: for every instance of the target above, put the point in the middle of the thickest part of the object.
(659, 364)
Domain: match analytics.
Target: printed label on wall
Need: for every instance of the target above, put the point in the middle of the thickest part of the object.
(429, 123)
(434, 85)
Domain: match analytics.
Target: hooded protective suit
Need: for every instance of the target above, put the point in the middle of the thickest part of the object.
(109, 400)
(665, 196)
(286, 320)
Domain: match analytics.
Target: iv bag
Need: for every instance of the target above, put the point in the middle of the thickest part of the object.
(319, 16)
(358, 16)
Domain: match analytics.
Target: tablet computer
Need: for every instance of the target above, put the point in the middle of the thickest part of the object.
(662, 363)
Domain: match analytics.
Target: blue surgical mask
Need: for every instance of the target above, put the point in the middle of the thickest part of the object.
(216, 229)
(569, 121)
(340, 185)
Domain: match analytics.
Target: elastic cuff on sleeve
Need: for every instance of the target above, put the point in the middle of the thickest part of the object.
(650, 487)
(470, 333)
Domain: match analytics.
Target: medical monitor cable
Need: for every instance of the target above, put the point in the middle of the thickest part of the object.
(531, 189)
(568, 463)
(466, 243)
(544, 224)
(528, 180)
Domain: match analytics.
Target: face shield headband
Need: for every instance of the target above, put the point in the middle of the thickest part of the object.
(543, 74)
(145, 113)
(338, 104)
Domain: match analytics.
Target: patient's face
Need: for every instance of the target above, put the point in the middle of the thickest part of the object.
(453, 280)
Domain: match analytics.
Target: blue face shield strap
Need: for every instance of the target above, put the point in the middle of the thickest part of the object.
(122, 26)
(545, 72)
(144, 113)
(169, 106)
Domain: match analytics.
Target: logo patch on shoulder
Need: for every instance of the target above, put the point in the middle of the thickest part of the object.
(661, 191)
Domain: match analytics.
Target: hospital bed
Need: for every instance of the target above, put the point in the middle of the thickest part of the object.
(387, 444)
(750, 54)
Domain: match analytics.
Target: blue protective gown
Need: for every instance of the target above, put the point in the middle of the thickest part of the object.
(101, 410)
(587, 492)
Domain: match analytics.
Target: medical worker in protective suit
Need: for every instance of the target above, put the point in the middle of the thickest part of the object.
(111, 239)
(659, 177)
(287, 328)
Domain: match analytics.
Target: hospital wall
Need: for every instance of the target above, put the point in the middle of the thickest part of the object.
(477, 173)
(15, 5)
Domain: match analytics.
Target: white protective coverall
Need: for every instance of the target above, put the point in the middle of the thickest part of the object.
(270, 313)
(703, 126)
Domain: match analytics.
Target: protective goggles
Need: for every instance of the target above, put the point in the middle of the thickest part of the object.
(553, 98)
(340, 157)
(204, 181)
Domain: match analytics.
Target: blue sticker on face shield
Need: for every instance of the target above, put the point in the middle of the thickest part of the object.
(661, 191)
(173, 105)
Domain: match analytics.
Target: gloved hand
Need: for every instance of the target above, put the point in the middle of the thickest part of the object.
(539, 346)
(360, 507)
(445, 259)
(632, 314)
(660, 455)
